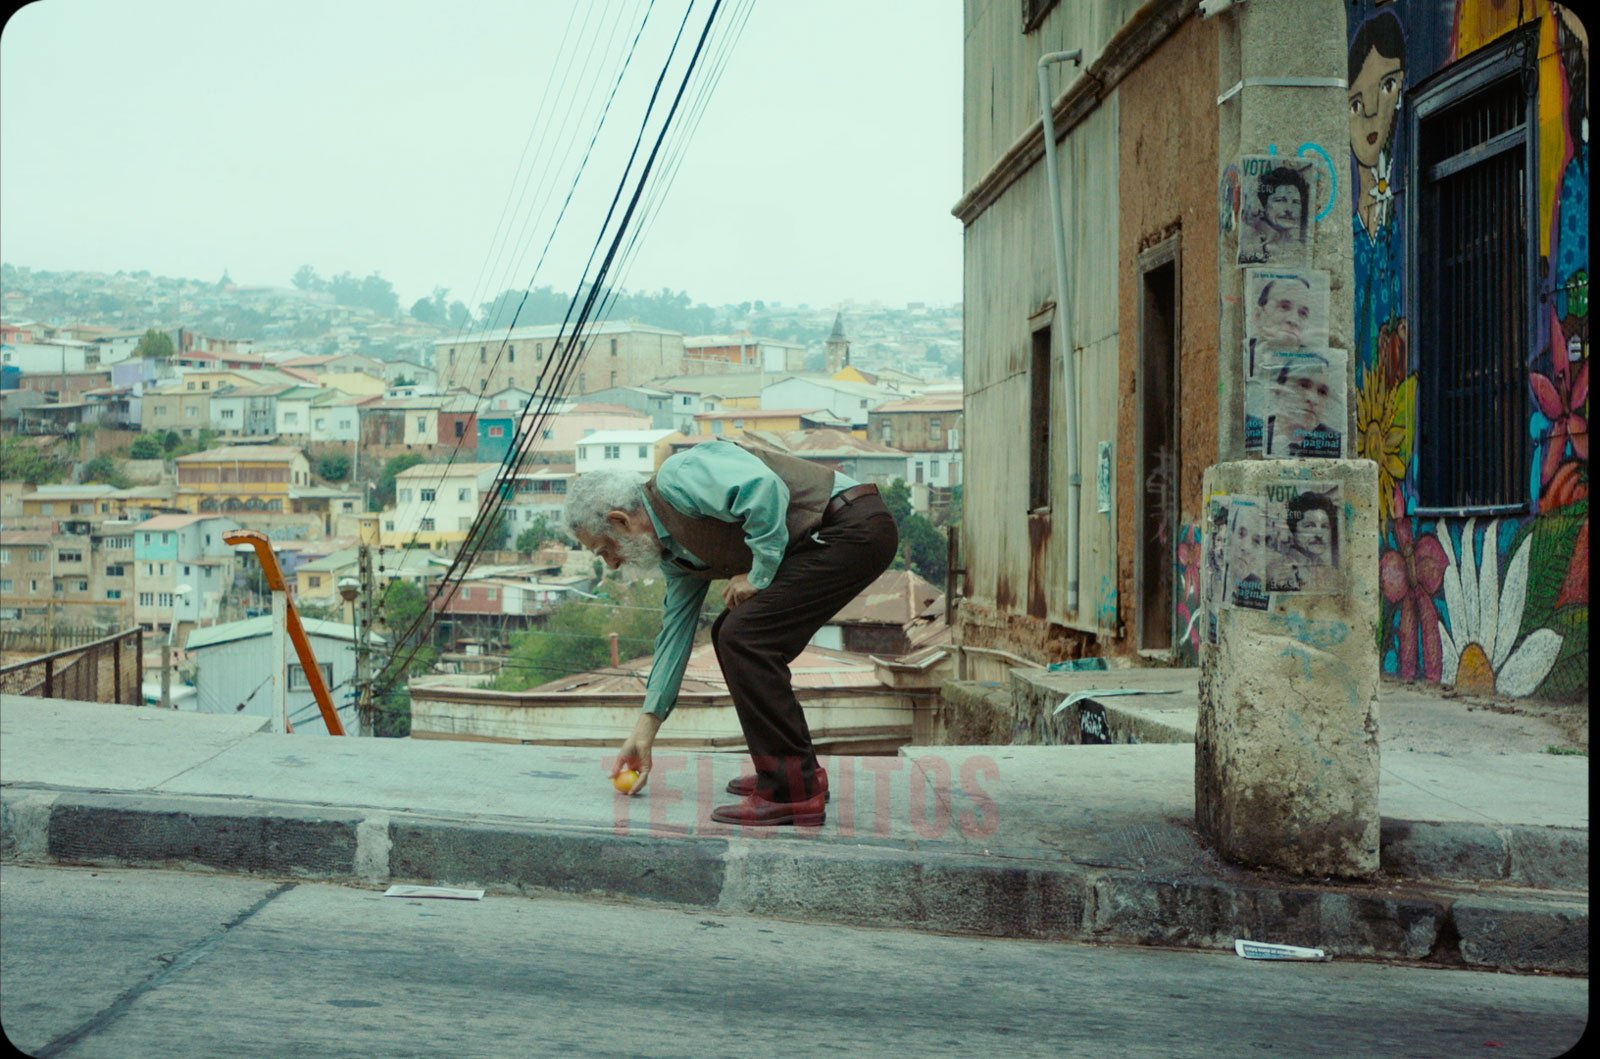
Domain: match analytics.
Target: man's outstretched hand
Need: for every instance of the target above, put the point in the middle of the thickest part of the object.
(635, 752)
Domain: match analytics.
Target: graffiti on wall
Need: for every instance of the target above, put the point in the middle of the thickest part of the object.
(1187, 599)
(1495, 605)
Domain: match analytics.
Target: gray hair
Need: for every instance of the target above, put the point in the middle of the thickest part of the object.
(592, 496)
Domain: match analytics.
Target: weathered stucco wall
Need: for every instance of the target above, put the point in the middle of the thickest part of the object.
(1169, 140)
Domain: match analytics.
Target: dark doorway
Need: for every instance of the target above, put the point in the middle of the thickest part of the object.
(1156, 461)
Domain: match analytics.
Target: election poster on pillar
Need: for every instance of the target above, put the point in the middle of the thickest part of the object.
(1303, 537)
(1296, 404)
(1277, 210)
(1247, 553)
(1287, 310)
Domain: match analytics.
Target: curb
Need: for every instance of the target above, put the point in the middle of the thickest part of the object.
(874, 885)
(1543, 858)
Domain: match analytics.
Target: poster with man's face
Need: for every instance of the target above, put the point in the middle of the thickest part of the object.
(1248, 553)
(1277, 210)
(1302, 403)
(1286, 309)
(1305, 538)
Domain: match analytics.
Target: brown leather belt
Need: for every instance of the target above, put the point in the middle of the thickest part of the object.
(855, 492)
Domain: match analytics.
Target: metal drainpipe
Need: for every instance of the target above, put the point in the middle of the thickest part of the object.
(1064, 311)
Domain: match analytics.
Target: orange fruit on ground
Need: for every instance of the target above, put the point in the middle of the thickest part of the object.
(623, 781)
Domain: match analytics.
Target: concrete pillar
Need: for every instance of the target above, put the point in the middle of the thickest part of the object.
(1286, 749)
(1281, 67)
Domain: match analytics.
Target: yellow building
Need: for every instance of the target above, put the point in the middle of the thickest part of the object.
(354, 383)
(206, 380)
(241, 478)
(318, 581)
(731, 422)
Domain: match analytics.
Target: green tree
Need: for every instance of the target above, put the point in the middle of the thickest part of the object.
(432, 309)
(378, 295)
(154, 344)
(423, 311)
(383, 496)
(400, 606)
(334, 467)
(922, 545)
(20, 461)
(107, 470)
(498, 534)
(145, 447)
(577, 638)
(306, 278)
(529, 540)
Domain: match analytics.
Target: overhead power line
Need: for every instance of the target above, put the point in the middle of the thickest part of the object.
(571, 350)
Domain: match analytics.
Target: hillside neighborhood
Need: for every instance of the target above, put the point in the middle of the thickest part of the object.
(134, 445)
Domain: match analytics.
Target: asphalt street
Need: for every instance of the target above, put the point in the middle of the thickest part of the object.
(131, 963)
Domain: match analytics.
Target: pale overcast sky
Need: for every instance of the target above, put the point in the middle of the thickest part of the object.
(389, 135)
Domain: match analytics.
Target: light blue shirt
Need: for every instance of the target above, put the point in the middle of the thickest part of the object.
(717, 479)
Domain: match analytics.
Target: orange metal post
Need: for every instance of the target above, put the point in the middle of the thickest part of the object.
(297, 633)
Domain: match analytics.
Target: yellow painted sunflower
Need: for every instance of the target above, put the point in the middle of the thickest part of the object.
(1385, 432)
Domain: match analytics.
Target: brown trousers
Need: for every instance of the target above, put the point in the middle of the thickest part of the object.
(756, 641)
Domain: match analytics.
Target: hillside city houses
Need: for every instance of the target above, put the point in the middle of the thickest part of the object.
(391, 441)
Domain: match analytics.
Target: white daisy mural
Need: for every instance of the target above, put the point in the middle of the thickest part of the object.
(1480, 647)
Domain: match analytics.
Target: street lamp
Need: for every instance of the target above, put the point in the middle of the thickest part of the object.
(166, 649)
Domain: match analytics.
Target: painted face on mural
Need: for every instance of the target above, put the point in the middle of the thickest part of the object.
(1374, 96)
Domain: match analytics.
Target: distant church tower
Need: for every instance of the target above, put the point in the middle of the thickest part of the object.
(838, 347)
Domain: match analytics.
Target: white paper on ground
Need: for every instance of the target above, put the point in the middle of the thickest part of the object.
(1266, 950)
(1100, 693)
(434, 891)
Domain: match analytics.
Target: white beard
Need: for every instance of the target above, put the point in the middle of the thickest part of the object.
(641, 557)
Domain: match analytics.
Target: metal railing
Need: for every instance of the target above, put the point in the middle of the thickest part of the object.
(107, 670)
(17, 638)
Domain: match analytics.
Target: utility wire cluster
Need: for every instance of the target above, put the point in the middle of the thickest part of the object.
(596, 291)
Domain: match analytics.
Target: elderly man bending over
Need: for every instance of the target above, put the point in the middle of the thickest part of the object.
(795, 542)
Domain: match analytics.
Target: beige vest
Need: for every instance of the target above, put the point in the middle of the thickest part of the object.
(721, 544)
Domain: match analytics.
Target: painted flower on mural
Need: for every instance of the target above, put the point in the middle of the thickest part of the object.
(1481, 652)
(1393, 351)
(1188, 605)
(1382, 190)
(1384, 435)
(1563, 398)
(1411, 574)
(1569, 485)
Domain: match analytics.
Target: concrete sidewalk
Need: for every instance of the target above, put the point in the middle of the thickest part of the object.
(1486, 854)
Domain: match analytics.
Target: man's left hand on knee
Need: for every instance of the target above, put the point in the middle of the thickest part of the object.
(737, 590)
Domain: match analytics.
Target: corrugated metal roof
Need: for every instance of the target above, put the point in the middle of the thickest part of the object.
(249, 628)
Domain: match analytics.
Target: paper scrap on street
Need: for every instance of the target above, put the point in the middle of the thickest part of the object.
(447, 892)
(1100, 693)
(1266, 950)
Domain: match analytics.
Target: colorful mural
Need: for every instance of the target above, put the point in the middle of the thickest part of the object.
(1186, 648)
(1501, 605)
